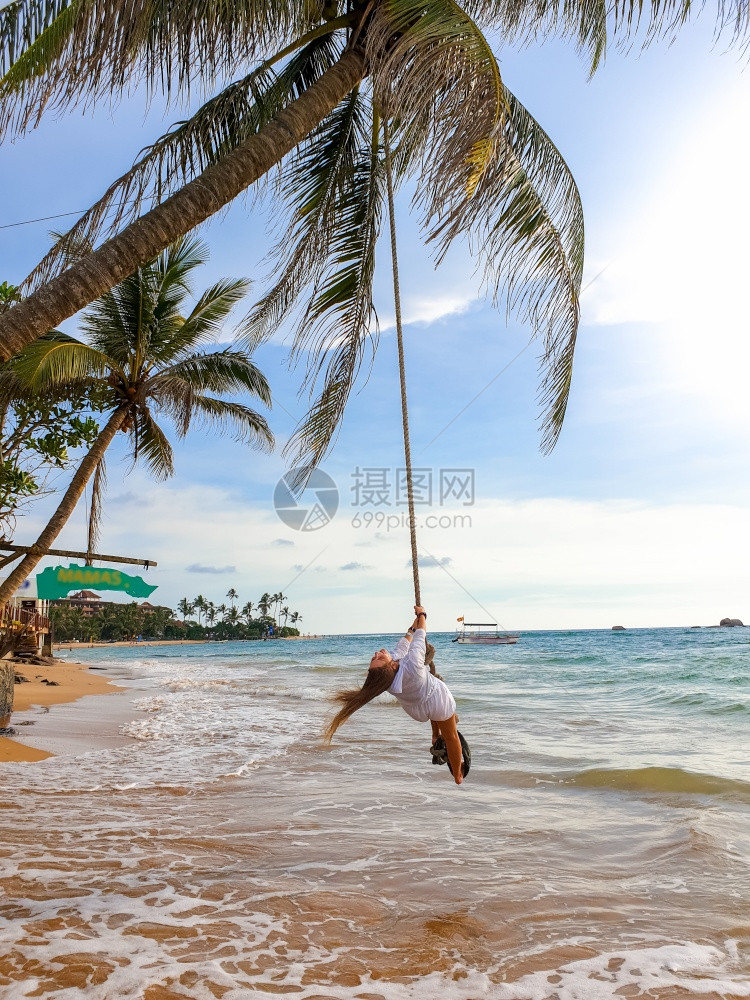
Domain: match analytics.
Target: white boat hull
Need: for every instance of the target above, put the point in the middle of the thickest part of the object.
(488, 640)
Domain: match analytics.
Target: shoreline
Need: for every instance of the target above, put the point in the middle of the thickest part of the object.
(62, 685)
(57, 684)
(99, 644)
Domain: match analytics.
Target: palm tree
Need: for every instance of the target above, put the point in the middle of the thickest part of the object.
(323, 80)
(200, 606)
(285, 614)
(108, 622)
(264, 603)
(247, 612)
(232, 616)
(222, 610)
(157, 621)
(147, 360)
(185, 607)
(277, 599)
(211, 612)
(130, 619)
(232, 595)
(295, 617)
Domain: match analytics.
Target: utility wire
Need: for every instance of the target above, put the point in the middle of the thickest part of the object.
(60, 215)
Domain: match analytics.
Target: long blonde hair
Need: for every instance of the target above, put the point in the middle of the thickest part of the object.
(378, 680)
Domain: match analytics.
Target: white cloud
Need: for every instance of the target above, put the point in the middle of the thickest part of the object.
(426, 309)
(213, 570)
(545, 563)
(431, 562)
(681, 264)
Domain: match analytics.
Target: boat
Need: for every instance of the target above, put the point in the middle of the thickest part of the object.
(485, 634)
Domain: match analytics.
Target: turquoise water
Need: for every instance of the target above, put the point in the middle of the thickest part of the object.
(599, 848)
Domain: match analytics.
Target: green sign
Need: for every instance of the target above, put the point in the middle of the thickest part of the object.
(58, 581)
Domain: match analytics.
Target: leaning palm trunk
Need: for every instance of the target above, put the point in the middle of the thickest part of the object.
(73, 494)
(215, 188)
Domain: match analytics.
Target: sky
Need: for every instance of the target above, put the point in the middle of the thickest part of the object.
(639, 516)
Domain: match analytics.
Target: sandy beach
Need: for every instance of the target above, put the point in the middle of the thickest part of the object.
(58, 646)
(63, 646)
(46, 686)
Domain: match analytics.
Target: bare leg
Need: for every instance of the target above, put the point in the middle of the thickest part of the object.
(449, 732)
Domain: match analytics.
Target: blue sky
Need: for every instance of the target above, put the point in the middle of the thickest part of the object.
(637, 518)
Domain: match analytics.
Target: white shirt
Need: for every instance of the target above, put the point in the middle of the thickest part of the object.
(422, 695)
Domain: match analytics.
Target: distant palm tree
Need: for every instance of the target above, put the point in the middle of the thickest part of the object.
(157, 621)
(201, 606)
(232, 616)
(285, 614)
(247, 612)
(264, 603)
(222, 610)
(211, 613)
(147, 359)
(77, 624)
(232, 595)
(130, 619)
(185, 607)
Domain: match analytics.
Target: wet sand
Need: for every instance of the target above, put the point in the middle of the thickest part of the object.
(68, 682)
(128, 642)
(62, 646)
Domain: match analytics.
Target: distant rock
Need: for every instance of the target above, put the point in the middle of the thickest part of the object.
(730, 622)
(618, 628)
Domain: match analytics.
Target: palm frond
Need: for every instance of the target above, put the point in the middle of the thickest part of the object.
(206, 319)
(586, 22)
(89, 49)
(98, 487)
(140, 318)
(184, 152)
(150, 443)
(112, 323)
(525, 225)
(220, 372)
(663, 18)
(59, 361)
(340, 317)
(21, 24)
(593, 24)
(29, 72)
(437, 55)
(313, 184)
(244, 424)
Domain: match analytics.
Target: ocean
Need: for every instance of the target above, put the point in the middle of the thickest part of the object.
(600, 847)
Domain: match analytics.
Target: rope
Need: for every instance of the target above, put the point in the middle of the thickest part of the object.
(401, 365)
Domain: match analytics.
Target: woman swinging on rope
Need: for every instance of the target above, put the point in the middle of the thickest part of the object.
(421, 693)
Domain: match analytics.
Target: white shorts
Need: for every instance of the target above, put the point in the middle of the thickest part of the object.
(438, 706)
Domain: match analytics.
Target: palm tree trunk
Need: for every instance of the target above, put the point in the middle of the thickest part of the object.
(72, 495)
(145, 238)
